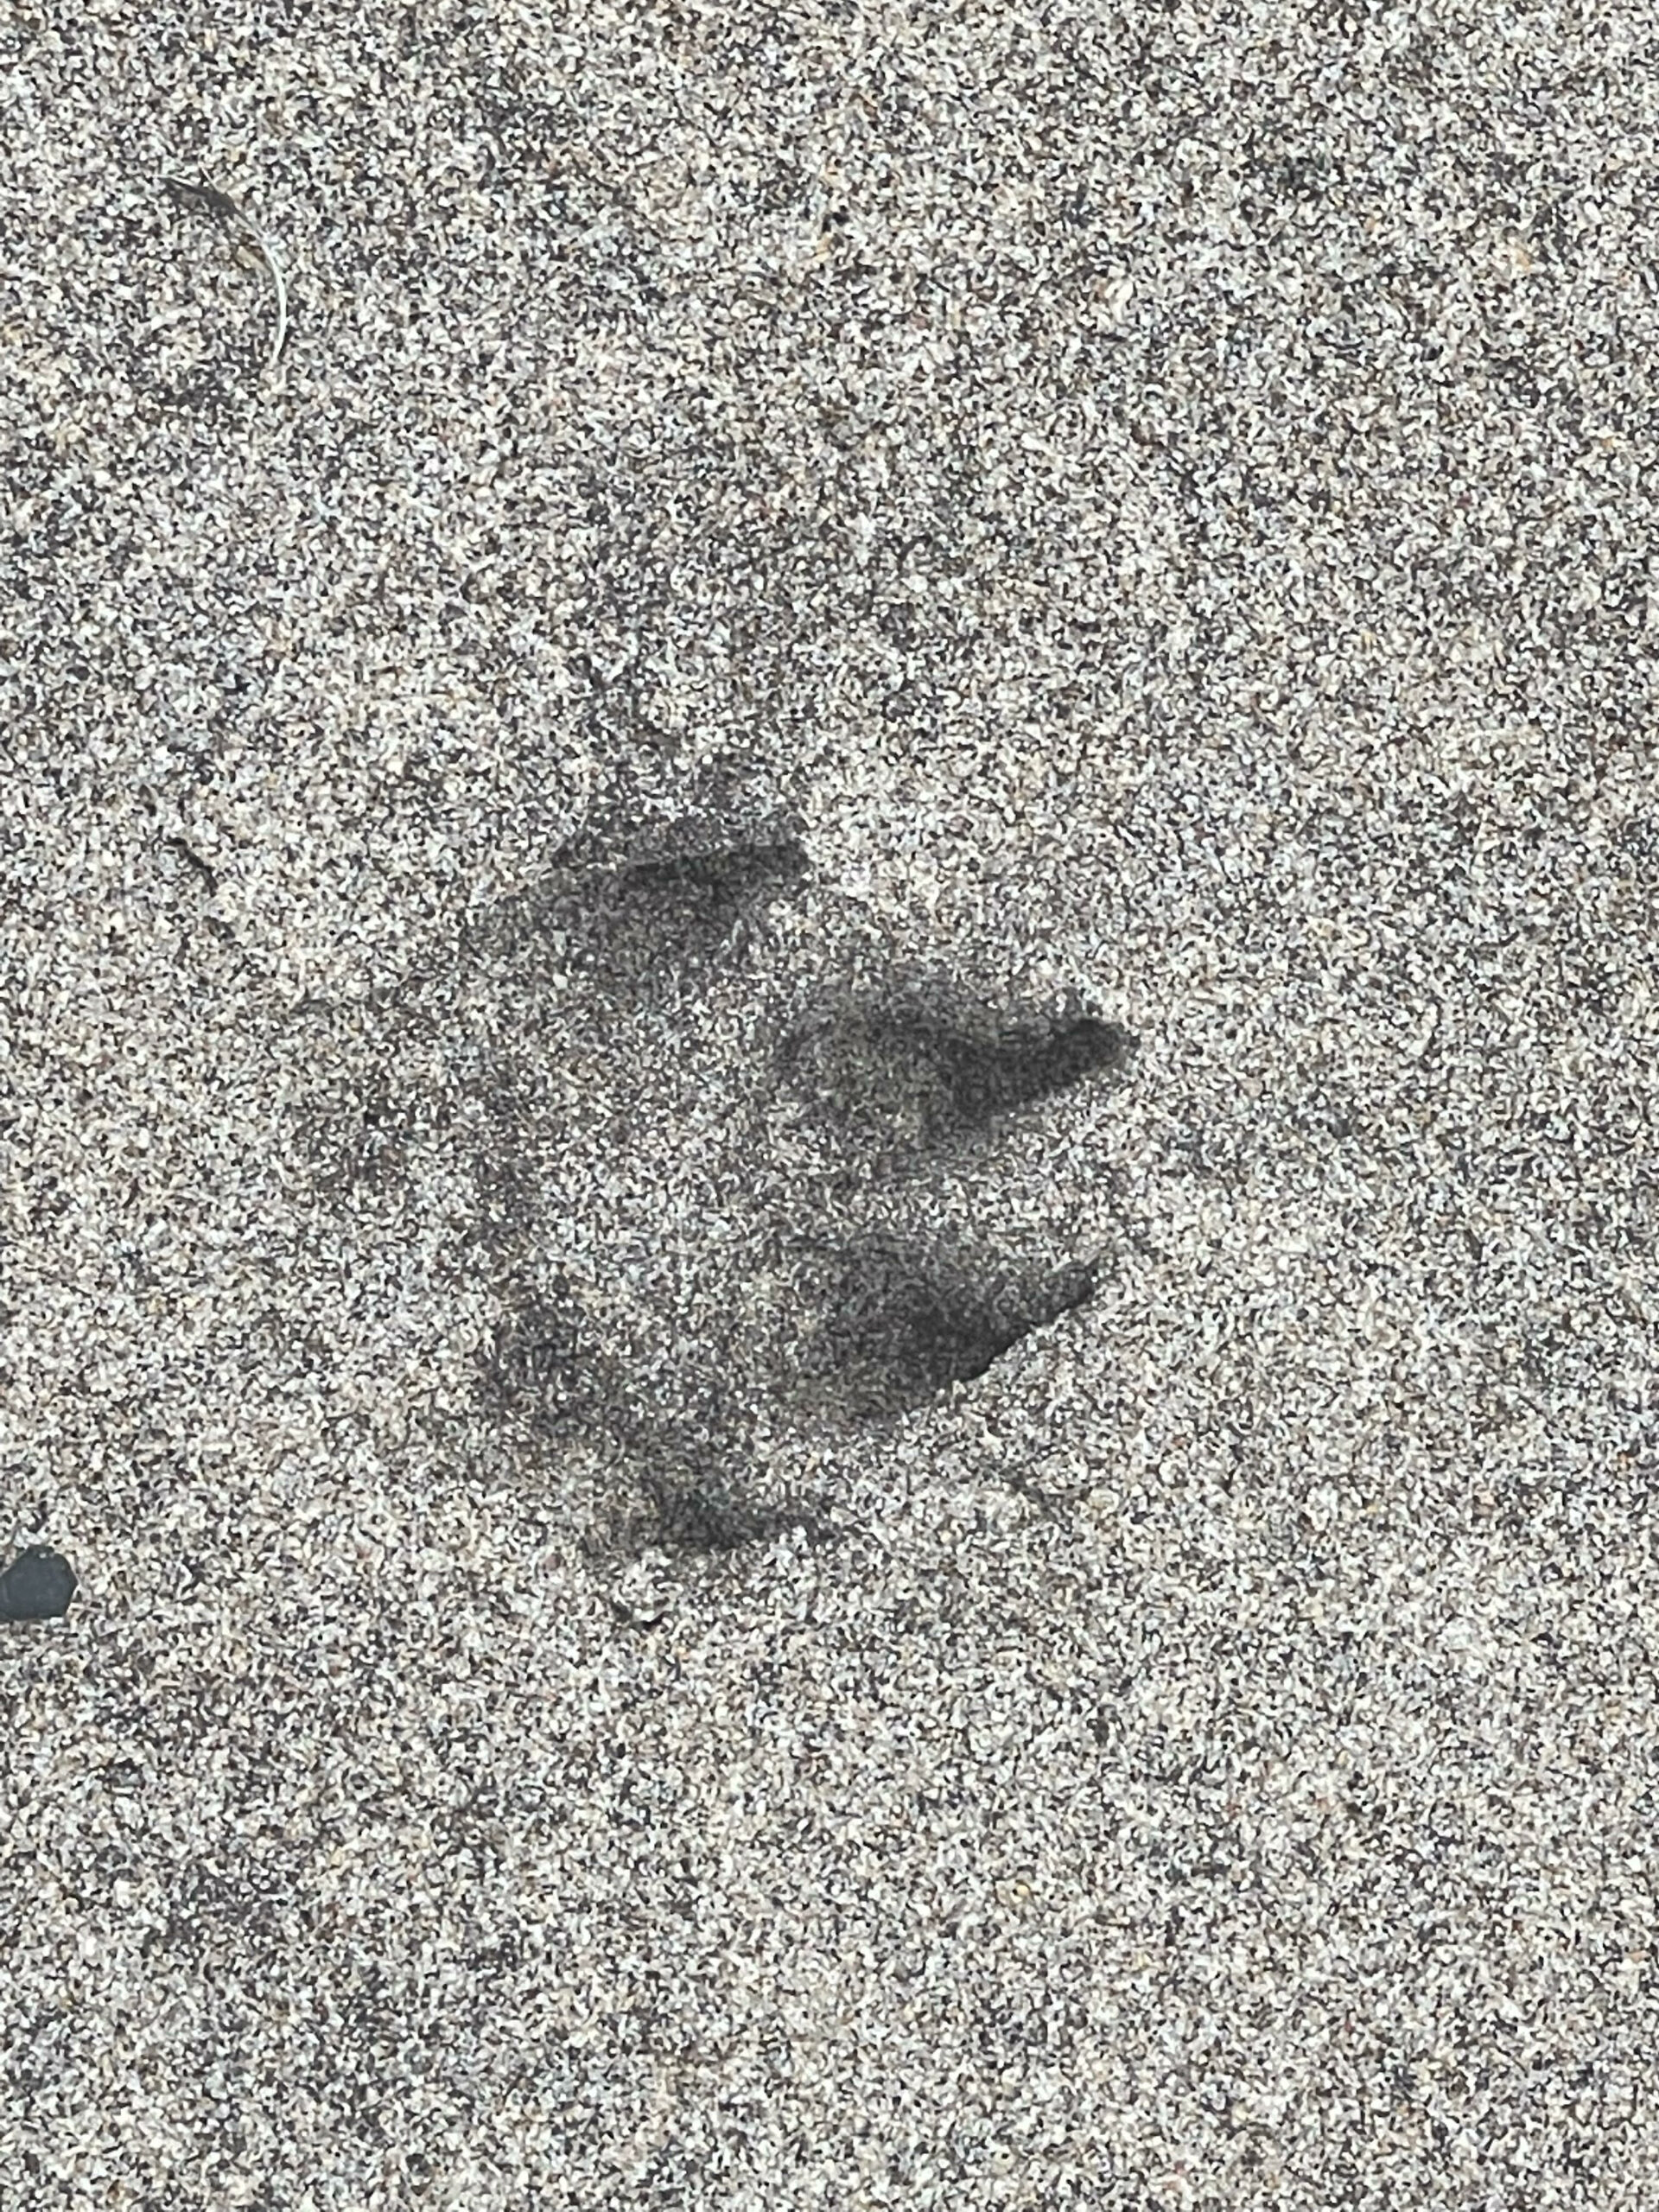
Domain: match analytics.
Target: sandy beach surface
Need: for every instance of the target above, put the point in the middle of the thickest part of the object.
(827, 1069)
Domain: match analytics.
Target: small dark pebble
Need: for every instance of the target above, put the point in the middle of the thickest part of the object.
(36, 1586)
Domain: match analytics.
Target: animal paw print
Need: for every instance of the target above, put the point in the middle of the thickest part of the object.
(726, 1170)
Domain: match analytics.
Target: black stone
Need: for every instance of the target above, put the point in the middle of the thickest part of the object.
(36, 1586)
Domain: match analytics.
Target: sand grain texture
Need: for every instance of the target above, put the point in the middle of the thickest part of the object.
(638, 1642)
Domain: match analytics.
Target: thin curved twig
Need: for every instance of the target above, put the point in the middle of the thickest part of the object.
(208, 198)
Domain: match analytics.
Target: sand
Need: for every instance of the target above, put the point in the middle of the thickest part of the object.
(639, 1641)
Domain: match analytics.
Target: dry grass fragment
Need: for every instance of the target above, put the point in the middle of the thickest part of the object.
(212, 201)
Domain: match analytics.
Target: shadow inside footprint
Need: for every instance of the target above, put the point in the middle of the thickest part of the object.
(688, 1514)
(540, 1366)
(703, 892)
(903, 1078)
(655, 915)
(896, 1330)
